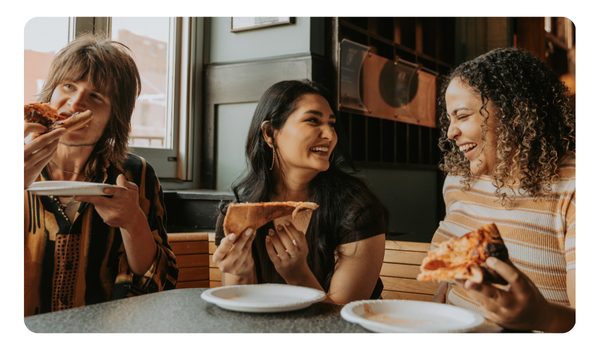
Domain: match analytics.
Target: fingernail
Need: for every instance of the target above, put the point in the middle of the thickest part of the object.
(280, 228)
(491, 261)
(268, 239)
(232, 236)
(287, 223)
(271, 232)
(248, 231)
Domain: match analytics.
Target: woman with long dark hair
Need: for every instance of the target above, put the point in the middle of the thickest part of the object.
(293, 151)
(508, 137)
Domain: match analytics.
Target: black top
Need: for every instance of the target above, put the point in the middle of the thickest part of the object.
(265, 270)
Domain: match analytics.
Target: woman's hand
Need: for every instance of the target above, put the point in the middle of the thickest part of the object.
(39, 149)
(234, 258)
(288, 254)
(522, 306)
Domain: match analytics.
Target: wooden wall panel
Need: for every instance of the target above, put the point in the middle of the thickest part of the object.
(184, 248)
(192, 260)
(193, 274)
(191, 250)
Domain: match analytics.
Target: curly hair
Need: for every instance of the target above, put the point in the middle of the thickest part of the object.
(536, 121)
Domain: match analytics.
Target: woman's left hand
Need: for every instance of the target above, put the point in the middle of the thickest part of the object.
(288, 254)
(521, 307)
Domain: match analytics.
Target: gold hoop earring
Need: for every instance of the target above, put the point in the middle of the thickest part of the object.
(273, 163)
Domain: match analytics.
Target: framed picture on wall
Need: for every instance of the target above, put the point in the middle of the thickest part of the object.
(239, 24)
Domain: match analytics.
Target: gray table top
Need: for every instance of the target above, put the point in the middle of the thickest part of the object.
(184, 311)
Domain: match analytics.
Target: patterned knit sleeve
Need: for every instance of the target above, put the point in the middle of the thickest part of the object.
(163, 273)
(570, 236)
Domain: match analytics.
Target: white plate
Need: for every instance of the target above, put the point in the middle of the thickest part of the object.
(68, 188)
(408, 316)
(263, 297)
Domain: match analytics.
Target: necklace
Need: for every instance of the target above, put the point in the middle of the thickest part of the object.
(64, 171)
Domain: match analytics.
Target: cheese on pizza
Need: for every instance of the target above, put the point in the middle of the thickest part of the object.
(464, 257)
(43, 113)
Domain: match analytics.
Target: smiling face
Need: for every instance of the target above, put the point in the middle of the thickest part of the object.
(70, 97)
(307, 138)
(466, 122)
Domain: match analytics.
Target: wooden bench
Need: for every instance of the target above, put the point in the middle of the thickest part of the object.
(398, 273)
(214, 279)
(191, 250)
(400, 269)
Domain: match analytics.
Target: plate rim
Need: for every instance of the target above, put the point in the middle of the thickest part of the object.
(380, 327)
(208, 296)
(52, 185)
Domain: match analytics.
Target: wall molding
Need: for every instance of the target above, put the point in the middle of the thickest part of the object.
(245, 82)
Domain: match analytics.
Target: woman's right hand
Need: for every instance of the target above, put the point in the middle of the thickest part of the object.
(234, 258)
(39, 149)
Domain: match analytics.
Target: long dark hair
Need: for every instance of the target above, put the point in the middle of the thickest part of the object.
(536, 121)
(344, 200)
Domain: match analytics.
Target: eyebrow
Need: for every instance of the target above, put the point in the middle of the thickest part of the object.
(318, 113)
(94, 89)
(460, 109)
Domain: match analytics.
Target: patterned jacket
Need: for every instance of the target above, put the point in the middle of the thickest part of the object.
(84, 262)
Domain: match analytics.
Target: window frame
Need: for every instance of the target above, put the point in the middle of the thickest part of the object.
(175, 165)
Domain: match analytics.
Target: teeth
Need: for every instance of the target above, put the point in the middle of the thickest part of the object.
(467, 147)
(320, 149)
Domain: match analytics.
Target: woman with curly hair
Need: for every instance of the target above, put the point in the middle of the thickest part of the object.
(508, 139)
(294, 150)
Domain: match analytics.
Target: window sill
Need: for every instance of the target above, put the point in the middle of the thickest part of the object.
(193, 210)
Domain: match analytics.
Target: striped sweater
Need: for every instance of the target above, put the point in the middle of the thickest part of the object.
(539, 234)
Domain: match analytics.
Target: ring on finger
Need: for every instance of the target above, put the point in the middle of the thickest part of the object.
(293, 256)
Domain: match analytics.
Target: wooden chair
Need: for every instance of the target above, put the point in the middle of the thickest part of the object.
(398, 273)
(191, 250)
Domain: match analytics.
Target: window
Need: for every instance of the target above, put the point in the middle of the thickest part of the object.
(44, 37)
(167, 52)
(144, 36)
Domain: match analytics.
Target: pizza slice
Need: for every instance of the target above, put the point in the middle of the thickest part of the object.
(464, 257)
(43, 113)
(241, 216)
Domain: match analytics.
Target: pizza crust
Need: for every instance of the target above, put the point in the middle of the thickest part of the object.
(464, 257)
(241, 216)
